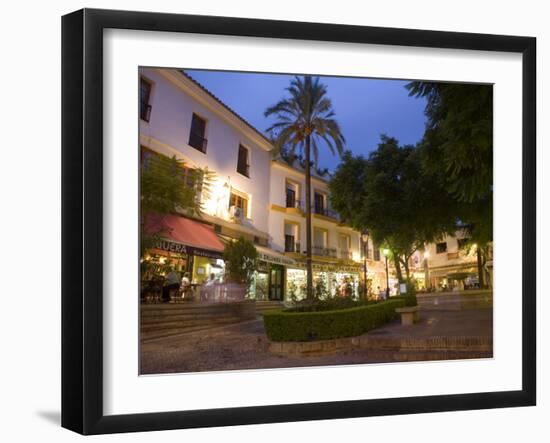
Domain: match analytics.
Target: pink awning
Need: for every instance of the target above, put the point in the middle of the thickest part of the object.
(198, 236)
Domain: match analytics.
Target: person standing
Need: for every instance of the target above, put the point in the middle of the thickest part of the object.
(171, 285)
(185, 285)
(209, 287)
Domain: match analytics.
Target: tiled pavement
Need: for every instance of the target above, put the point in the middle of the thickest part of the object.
(244, 345)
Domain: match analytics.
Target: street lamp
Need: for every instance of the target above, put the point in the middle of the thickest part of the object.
(386, 252)
(427, 270)
(365, 238)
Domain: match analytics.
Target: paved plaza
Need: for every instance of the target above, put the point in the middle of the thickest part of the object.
(245, 345)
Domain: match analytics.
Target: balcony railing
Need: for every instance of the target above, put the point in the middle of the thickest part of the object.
(292, 202)
(326, 212)
(323, 252)
(144, 111)
(198, 142)
(345, 254)
(292, 247)
(244, 169)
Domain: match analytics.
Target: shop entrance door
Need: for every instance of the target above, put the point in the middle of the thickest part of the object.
(276, 283)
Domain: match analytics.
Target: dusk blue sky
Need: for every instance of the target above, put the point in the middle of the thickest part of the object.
(365, 108)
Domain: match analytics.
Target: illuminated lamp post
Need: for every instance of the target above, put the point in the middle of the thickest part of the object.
(365, 239)
(386, 252)
(427, 270)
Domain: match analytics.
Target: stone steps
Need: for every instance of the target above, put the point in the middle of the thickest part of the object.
(166, 320)
(183, 316)
(147, 337)
(148, 327)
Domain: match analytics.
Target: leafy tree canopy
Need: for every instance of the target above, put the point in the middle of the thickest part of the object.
(164, 187)
(457, 149)
(388, 194)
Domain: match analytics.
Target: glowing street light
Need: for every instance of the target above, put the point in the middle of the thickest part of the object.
(426, 270)
(386, 251)
(365, 238)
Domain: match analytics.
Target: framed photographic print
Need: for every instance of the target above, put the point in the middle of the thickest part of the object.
(270, 221)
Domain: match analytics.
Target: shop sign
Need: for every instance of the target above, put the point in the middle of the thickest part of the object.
(262, 266)
(170, 246)
(278, 260)
(204, 252)
(322, 267)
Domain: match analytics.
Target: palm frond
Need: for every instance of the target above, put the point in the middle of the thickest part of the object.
(307, 111)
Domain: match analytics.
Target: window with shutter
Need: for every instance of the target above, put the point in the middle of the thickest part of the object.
(197, 134)
(319, 203)
(144, 99)
(242, 162)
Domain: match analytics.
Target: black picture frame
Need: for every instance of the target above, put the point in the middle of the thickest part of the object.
(82, 218)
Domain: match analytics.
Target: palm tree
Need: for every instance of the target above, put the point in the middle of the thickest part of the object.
(303, 120)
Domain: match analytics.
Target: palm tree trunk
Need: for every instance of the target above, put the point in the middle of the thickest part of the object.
(309, 267)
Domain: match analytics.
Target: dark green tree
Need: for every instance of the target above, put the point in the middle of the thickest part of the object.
(305, 120)
(388, 194)
(240, 261)
(457, 151)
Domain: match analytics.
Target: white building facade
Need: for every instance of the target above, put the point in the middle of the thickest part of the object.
(338, 252)
(178, 117)
(452, 264)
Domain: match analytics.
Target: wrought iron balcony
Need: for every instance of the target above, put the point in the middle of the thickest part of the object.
(291, 246)
(326, 212)
(198, 142)
(345, 254)
(323, 252)
(292, 202)
(144, 111)
(243, 169)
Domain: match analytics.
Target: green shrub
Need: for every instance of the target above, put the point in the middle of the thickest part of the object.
(323, 325)
(329, 304)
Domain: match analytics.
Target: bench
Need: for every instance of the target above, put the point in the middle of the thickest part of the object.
(409, 315)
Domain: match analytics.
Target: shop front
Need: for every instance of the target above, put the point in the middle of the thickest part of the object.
(455, 278)
(185, 247)
(268, 281)
(329, 280)
(376, 281)
(420, 280)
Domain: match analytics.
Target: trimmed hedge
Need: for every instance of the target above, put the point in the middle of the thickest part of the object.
(330, 304)
(325, 325)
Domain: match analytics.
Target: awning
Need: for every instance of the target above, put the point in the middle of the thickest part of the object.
(185, 236)
(271, 256)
